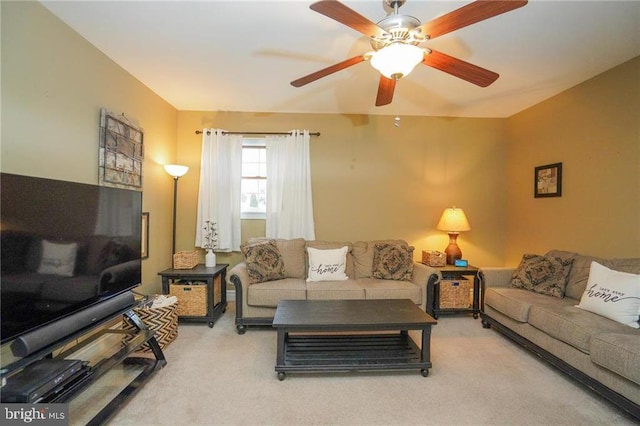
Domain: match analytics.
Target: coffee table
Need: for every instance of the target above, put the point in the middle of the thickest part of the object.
(311, 336)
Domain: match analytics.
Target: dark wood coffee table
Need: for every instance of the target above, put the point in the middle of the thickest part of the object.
(311, 338)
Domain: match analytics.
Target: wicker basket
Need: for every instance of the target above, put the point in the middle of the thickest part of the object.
(192, 299)
(164, 321)
(185, 259)
(455, 293)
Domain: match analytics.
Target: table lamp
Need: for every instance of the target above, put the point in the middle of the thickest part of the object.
(177, 171)
(453, 221)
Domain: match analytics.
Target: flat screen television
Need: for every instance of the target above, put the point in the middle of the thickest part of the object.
(64, 247)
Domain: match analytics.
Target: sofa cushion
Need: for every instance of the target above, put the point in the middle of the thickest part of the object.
(582, 265)
(327, 264)
(516, 303)
(390, 289)
(293, 255)
(618, 352)
(392, 262)
(324, 245)
(612, 294)
(264, 262)
(269, 293)
(542, 274)
(334, 290)
(570, 324)
(363, 256)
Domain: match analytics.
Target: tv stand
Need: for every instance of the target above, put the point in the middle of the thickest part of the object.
(101, 349)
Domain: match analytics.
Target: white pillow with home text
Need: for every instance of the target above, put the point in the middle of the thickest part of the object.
(327, 264)
(612, 294)
(58, 259)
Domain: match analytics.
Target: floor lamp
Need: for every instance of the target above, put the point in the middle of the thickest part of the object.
(177, 172)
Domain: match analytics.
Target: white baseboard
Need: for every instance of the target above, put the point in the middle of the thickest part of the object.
(231, 295)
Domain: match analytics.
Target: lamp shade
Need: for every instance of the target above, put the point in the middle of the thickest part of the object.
(397, 60)
(453, 220)
(176, 170)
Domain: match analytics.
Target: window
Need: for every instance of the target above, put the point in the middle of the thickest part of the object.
(254, 179)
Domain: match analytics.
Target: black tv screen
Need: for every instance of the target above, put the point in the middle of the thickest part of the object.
(64, 246)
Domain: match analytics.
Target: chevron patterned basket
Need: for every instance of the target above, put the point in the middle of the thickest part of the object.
(164, 321)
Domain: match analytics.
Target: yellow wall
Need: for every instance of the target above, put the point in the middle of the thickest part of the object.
(372, 180)
(594, 130)
(53, 85)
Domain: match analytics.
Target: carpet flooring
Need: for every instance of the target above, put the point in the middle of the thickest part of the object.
(479, 377)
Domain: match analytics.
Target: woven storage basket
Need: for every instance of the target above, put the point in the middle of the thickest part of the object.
(434, 258)
(164, 321)
(455, 293)
(185, 259)
(192, 299)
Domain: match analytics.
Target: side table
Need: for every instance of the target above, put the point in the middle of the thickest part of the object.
(215, 280)
(451, 272)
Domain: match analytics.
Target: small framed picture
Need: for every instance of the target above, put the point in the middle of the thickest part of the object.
(547, 181)
(144, 241)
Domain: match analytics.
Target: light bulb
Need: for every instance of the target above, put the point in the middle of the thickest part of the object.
(397, 60)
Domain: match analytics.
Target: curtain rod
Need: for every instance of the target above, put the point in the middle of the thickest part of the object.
(199, 132)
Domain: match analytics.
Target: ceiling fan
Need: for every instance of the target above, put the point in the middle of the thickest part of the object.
(395, 41)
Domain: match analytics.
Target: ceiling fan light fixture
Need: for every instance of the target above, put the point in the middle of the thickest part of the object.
(397, 60)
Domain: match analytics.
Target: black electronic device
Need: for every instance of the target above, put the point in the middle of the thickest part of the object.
(29, 343)
(66, 247)
(37, 380)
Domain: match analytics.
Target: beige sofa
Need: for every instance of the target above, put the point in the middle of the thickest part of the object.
(601, 353)
(256, 303)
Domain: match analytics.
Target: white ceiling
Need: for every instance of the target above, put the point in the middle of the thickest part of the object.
(241, 55)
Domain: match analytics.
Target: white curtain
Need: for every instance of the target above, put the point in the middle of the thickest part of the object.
(219, 193)
(289, 198)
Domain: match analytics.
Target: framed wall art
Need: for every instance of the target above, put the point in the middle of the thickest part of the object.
(121, 151)
(547, 181)
(144, 240)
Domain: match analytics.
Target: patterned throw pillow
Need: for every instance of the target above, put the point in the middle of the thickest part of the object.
(392, 262)
(542, 274)
(264, 262)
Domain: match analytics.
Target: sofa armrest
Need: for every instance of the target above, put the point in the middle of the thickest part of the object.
(493, 277)
(496, 276)
(423, 275)
(127, 271)
(238, 276)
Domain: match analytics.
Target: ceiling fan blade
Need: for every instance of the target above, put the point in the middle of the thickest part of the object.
(459, 68)
(327, 71)
(346, 16)
(467, 15)
(385, 91)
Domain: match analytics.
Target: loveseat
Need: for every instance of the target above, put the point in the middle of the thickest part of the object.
(548, 304)
(312, 270)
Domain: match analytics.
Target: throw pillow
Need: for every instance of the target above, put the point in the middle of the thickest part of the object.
(58, 259)
(113, 253)
(327, 265)
(264, 262)
(392, 262)
(542, 274)
(612, 294)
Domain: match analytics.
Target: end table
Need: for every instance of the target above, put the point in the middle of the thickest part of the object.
(451, 272)
(211, 277)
